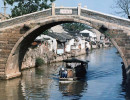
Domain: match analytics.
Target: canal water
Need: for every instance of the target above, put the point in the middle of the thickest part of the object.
(103, 81)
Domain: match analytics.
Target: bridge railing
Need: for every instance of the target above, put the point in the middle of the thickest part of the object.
(71, 11)
(105, 17)
(25, 18)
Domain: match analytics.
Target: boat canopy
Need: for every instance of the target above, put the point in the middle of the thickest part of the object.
(75, 60)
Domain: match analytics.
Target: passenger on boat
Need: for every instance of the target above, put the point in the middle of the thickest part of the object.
(63, 73)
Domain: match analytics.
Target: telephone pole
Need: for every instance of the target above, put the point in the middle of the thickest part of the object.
(4, 9)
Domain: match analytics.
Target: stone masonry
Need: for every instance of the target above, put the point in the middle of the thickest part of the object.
(17, 34)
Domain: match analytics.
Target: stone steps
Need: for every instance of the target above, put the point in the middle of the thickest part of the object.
(3, 60)
(127, 48)
(123, 35)
(7, 47)
(117, 31)
(127, 51)
(3, 52)
(12, 40)
(3, 42)
(6, 39)
(127, 45)
(2, 66)
(127, 41)
(2, 73)
(120, 42)
(127, 55)
(2, 70)
(6, 42)
(4, 55)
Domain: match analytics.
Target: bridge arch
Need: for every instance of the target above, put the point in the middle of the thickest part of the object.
(17, 31)
(17, 53)
(21, 46)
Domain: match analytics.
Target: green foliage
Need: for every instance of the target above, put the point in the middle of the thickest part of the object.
(74, 27)
(39, 71)
(39, 62)
(22, 7)
(46, 32)
(108, 35)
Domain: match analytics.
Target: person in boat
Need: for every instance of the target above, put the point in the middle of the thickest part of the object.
(63, 73)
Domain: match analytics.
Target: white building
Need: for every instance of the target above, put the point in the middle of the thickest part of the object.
(68, 45)
(78, 43)
(52, 43)
(64, 41)
(92, 35)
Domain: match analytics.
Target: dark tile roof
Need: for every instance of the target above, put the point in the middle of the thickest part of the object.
(79, 34)
(61, 37)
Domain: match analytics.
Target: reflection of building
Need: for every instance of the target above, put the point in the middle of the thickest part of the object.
(70, 89)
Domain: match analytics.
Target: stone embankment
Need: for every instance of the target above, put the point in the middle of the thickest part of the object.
(42, 51)
(46, 55)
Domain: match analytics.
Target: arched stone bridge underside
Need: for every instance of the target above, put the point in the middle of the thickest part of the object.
(17, 34)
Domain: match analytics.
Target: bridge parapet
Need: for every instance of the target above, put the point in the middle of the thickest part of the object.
(66, 11)
(17, 33)
(105, 17)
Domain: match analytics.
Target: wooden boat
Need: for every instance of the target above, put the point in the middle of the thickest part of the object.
(74, 69)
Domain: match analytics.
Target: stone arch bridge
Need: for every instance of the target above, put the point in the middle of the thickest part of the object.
(16, 34)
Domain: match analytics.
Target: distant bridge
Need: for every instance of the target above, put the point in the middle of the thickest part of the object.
(16, 34)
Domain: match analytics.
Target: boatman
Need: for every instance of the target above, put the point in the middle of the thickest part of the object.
(65, 74)
(62, 72)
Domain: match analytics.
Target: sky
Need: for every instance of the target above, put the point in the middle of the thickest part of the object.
(104, 6)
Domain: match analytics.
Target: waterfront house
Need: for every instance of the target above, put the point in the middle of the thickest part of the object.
(63, 42)
(47, 42)
(92, 35)
(78, 42)
(91, 41)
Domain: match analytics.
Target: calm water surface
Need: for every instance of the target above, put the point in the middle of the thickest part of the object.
(103, 81)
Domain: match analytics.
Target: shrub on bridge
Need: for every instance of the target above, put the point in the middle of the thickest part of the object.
(39, 61)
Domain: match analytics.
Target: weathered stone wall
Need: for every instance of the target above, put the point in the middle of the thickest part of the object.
(25, 18)
(33, 17)
(14, 43)
(38, 52)
(105, 17)
(48, 56)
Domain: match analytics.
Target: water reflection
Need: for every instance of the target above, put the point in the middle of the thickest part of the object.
(11, 90)
(103, 81)
(73, 88)
(36, 82)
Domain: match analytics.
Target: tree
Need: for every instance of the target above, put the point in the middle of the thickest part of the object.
(124, 7)
(74, 27)
(22, 7)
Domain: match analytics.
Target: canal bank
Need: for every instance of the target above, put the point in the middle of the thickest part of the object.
(48, 57)
(103, 81)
